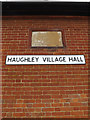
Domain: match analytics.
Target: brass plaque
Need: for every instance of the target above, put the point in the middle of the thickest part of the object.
(47, 39)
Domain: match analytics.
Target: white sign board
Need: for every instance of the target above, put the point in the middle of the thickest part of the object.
(44, 59)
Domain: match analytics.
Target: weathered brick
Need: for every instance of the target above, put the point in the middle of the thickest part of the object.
(44, 91)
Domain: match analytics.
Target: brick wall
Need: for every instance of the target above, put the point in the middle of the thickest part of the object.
(45, 91)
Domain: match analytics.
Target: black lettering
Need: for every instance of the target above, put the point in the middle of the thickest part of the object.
(9, 59)
(56, 59)
(13, 60)
(81, 59)
(52, 59)
(17, 60)
(27, 59)
(33, 59)
(75, 59)
(44, 59)
(48, 59)
(21, 59)
(37, 59)
(64, 59)
(70, 58)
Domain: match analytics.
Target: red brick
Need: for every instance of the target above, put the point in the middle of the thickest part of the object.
(58, 114)
(57, 109)
(75, 100)
(19, 101)
(18, 114)
(29, 101)
(48, 114)
(57, 105)
(77, 113)
(48, 109)
(83, 95)
(20, 105)
(37, 110)
(18, 110)
(44, 91)
(38, 105)
(76, 104)
(47, 100)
